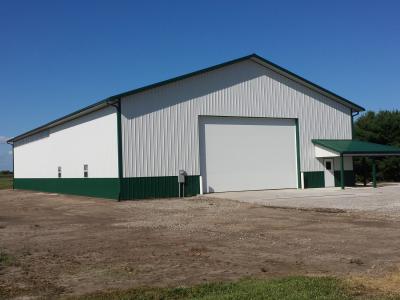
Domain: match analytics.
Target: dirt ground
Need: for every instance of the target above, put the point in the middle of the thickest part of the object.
(61, 245)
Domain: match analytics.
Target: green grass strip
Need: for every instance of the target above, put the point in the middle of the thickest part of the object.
(291, 288)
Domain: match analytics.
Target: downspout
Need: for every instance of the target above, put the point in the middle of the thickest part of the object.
(352, 121)
(373, 172)
(12, 144)
(352, 137)
(117, 105)
(341, 172)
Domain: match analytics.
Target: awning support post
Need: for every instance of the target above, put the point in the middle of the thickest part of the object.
(341, 172)
(365, 171)
(373, 173)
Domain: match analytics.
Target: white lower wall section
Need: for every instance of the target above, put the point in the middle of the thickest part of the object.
(347, 163)
(321, 151)
(90, 139)
(247, 154)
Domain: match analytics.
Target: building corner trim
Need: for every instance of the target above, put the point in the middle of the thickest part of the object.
(299, 185)
(352, 121)
(117, 105)
(119, 133)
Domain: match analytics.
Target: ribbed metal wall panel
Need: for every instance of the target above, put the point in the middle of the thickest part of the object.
(90, 139)
(160, 126)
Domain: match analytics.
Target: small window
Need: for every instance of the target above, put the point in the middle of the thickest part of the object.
(328, 165)
(59, 172)
(85, 171)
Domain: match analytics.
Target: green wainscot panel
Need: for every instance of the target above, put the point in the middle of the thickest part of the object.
(113, 188)
(349, 178)
(314, 179)
(92, 187)
(157, 187)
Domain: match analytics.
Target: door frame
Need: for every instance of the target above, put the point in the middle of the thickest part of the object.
(329, 173)
(202, 159)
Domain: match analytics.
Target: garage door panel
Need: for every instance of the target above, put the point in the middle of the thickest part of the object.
(247, 153)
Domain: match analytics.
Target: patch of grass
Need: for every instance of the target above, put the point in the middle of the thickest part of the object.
(6, 182)
(388, 283)
(6, 259)
(289, 288)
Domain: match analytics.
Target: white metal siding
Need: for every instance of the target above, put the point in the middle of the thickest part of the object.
(90, 139)
(322, 152)
(247, 153)
(160, 126)
(347, 163)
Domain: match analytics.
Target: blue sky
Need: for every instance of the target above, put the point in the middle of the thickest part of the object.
(59, 56)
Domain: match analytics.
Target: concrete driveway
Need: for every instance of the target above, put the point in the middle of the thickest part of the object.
(384, 200)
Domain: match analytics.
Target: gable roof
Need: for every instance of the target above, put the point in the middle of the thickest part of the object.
(254, 57)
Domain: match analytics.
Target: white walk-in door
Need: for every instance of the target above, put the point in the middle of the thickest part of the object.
(239, 154)
(329, 173)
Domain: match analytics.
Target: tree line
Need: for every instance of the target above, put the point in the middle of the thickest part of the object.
(382, 127)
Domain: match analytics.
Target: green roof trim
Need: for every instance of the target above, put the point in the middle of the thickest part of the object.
(357, 147)
(254, 57)
(71, 116)
(344, 101)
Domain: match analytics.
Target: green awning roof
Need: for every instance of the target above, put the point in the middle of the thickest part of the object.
(357, 147)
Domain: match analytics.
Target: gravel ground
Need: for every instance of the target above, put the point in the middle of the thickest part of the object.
(384, 200)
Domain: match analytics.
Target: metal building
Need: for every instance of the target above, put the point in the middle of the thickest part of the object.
(246, 124)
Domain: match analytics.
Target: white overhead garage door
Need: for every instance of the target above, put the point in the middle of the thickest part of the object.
(239, 154)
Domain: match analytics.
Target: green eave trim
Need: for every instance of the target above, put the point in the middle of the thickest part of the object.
(76, 114)
(317, 87)
(356, 147)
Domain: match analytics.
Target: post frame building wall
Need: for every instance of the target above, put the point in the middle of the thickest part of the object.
(87, 140)
(135, 151)
(161, 126)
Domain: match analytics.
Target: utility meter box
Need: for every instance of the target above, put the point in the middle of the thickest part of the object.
(181, 176)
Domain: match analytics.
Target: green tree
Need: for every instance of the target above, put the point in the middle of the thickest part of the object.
(382, 128)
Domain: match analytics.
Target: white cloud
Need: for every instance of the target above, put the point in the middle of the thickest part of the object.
(3, 139)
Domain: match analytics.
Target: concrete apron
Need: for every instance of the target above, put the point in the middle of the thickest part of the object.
(385, 198)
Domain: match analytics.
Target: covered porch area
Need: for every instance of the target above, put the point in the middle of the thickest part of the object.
(327, 148)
